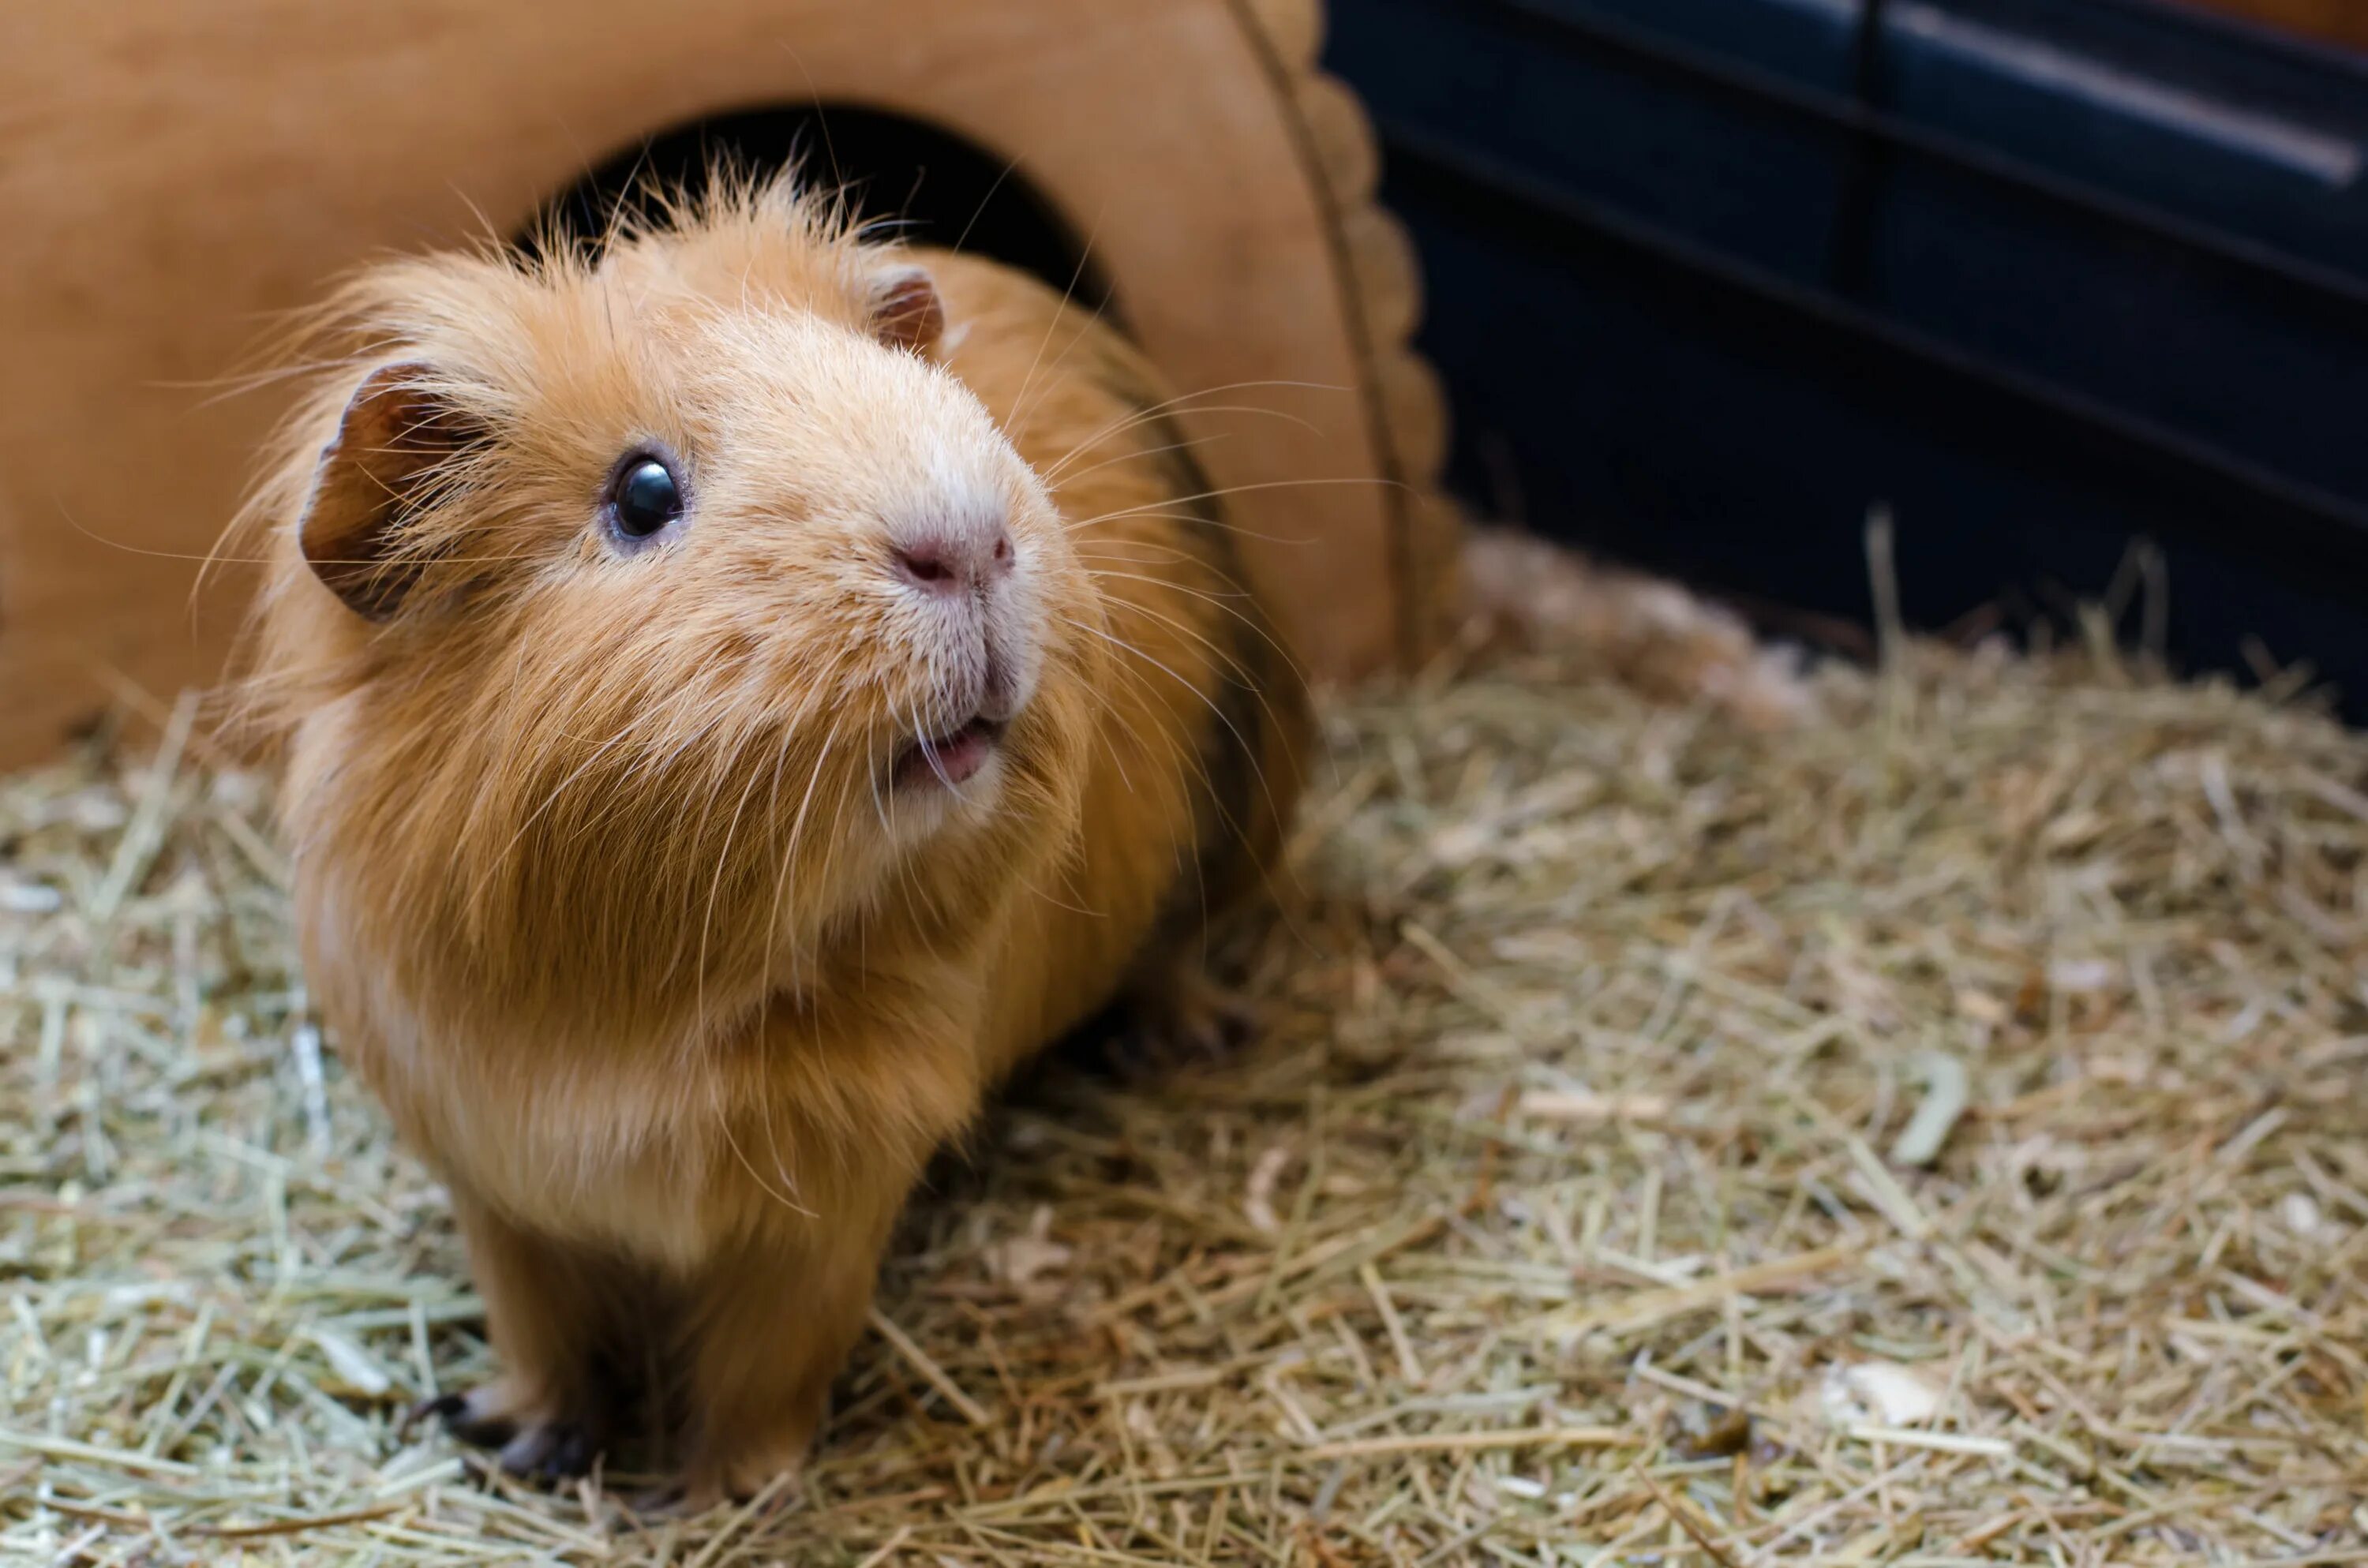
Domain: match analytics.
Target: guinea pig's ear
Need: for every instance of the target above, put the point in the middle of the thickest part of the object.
(392, 436)
(906, 310)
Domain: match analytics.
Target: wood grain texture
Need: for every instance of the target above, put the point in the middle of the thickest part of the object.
(1378, 277)
(177, 174)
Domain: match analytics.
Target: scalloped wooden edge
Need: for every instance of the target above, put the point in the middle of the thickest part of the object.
(1383, 279)
(1294, 31)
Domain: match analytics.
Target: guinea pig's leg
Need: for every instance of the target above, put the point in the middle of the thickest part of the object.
(1177, 1013)
(543, 1310)
(773, 1327)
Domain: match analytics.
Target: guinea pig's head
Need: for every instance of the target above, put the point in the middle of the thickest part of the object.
(643, 624)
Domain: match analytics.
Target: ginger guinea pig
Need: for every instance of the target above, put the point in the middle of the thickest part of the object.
(740, 694)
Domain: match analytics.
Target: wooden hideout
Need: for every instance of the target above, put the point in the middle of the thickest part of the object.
(179, 176)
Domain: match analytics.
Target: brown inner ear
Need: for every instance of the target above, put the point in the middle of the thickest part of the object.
(393, 436)
(905, 312)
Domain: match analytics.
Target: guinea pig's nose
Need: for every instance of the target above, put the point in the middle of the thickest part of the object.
(954, 560)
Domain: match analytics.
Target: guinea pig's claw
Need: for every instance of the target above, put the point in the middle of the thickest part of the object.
(662, 1501)
(1227, 1022)
(549, 1451)
(465, 1416)
(443, 1407)
(1197, 1025)
(546, 1451)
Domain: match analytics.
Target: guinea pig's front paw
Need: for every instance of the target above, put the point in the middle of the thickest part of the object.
(529, 1442)
(549, 1450)
(479, 1415)
(742, 1481)
(1189, 1020)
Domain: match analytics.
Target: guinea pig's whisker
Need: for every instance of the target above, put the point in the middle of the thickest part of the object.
(1249, 750)
(1192, 519)
(788, 1196)
(226, 388)
(904, 865)
(1215, 601)
(1199, 766)
(1030, 885)
(785, 1195)
(1232, 589)
(1060, 473)
(714, 891)
(1110, 741)
(1168, 554)
(786, 1200)
(1184, 402)
(655, 763)
(1203, 521)
(1077, 275)
(980, 211)
(880, 807)
(1054, 479)
(788, 741)
(1241, 673)
(1222, 657)
(216, 558)
(930, 756)
(797, 824)
(494, 865)
(650, 719)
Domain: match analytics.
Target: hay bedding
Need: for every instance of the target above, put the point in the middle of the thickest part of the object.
(1931, 1136)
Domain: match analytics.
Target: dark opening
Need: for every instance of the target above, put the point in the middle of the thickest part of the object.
(936, 187)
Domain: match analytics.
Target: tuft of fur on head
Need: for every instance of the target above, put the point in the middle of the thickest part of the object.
(574, 777)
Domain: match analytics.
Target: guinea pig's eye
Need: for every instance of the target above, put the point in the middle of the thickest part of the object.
(645, 497)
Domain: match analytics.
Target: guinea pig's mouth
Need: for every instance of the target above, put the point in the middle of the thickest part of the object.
(952, 759)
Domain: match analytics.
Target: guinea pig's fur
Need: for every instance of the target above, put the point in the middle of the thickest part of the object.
(627, 875)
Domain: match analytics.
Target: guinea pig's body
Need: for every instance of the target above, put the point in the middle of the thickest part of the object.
(740, 697)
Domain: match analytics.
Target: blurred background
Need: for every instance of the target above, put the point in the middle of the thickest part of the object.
(1710, 278)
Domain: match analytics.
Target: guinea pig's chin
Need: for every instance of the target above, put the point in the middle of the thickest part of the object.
(928, 796)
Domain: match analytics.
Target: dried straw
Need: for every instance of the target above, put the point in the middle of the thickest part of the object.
(1933, 1136)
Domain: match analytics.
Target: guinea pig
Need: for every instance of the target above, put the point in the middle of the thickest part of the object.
(739, 693)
